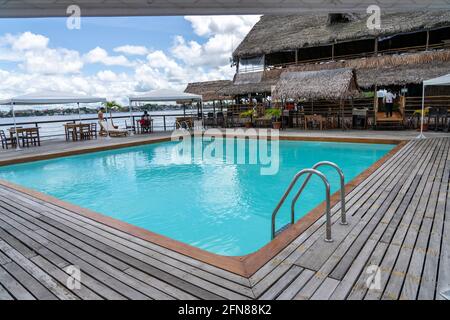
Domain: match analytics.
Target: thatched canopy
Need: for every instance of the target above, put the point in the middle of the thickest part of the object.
(209, 90)
(385, 70)
(410, 68)
(252, 82)
(333, 84)
(275, 33)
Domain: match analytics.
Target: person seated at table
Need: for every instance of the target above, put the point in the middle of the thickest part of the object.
(145, 121)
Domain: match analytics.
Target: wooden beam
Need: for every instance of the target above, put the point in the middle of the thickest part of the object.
(375, 105)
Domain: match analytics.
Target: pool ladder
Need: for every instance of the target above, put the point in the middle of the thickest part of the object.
(312, 171)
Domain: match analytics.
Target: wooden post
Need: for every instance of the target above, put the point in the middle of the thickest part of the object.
(341, 106)
(428, 40)
(375, 105)
(375, 51)
(332, 51)
(402, 106)
(296, 56)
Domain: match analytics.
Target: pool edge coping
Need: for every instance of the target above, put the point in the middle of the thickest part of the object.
(244, 266)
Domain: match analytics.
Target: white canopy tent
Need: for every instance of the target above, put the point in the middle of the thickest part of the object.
(47, 98)
(166, 95)
(439, 81)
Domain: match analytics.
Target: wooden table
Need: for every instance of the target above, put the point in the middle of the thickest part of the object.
(22, 133)
(76, 130)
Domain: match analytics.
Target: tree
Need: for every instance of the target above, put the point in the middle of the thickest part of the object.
(113, 105)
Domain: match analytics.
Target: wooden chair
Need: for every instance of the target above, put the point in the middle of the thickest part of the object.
(32, 137)
(85, 132)
(70, 132)
(7, 141)
(93, 132)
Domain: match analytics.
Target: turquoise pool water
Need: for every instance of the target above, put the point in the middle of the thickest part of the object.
(221, 207)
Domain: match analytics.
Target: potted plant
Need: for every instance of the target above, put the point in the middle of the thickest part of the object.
(275, 113)
(248, 115)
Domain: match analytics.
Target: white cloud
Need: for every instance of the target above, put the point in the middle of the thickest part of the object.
(100, 55)
(28, 41)
(210, 25)
(39, 66)
(106, 75)
(33, 55)
(224, 34)
(132, 50)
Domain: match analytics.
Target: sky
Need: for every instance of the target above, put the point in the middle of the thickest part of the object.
(116, 57)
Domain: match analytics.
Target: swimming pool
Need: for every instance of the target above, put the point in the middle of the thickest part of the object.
(219, 206)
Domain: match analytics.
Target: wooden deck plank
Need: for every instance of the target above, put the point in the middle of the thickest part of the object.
(275, 268)
(437, 214)
(14, 288)
(168, 256)
(176, 271)
(296, 285)
(417, 210)
(88, 251)
(387, 220)
(399, 220)
(395, 195)
(342, 249)
(96, 273)
(27, 281)
(275, 290)
(33, 270)
(83, 292)
(4, 295)
(326, 289)
(88, 281)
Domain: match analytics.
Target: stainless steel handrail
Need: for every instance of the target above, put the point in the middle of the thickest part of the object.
(341, 175)
(292, 184)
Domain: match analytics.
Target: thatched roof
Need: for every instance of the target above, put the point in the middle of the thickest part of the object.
(209, 90)
(324, 84)
(401, 75)
(251, 82)
(410, 68)
(275, 33)
(399, 69)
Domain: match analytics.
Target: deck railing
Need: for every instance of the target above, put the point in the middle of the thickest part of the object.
(444, 45)
(54, 128)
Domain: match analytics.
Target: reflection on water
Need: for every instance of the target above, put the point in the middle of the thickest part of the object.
(218, 206)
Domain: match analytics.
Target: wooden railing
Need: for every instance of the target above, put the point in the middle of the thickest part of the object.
(54, 128)
(443, 45)
(415, 103)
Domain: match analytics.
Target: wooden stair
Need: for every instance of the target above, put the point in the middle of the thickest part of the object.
(392, 123)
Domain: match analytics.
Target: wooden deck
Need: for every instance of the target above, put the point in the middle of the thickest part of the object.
(399, 220)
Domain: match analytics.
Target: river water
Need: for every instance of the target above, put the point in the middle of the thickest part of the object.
(56, 128)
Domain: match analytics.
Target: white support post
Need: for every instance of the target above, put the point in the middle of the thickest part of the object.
(107, 125)
(15, 128)
(131, 118)
(421, 135)
(79, 114)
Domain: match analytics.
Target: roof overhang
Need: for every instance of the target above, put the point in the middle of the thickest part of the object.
(58, 8)
(51, 97)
